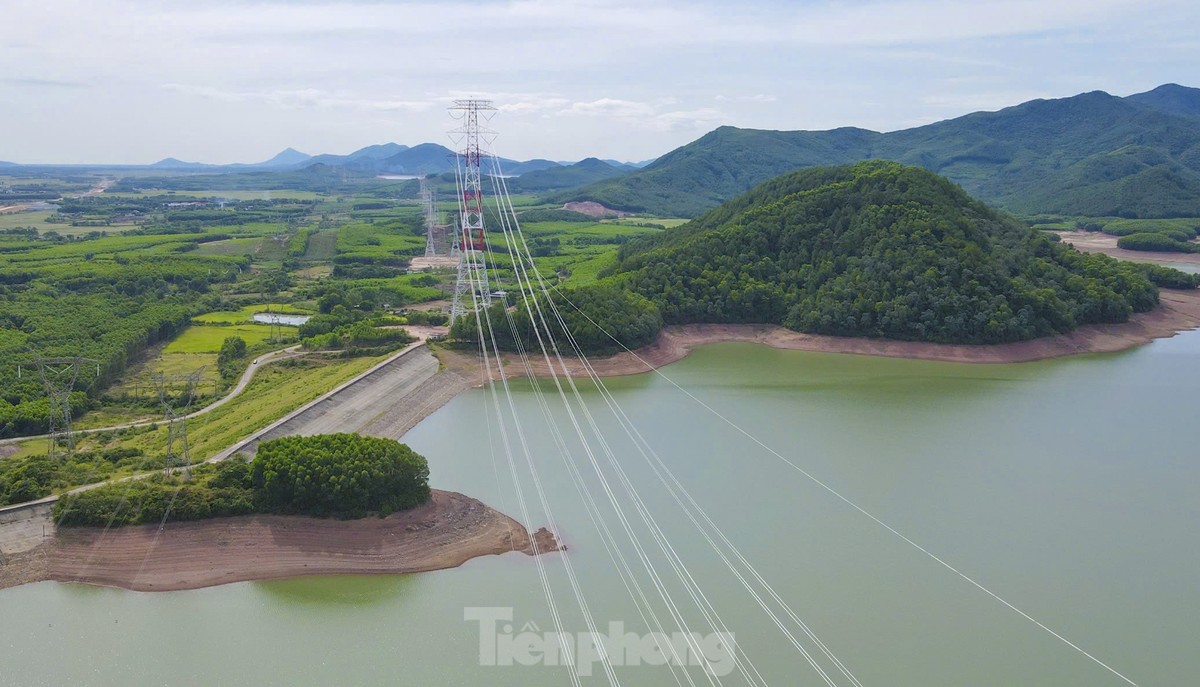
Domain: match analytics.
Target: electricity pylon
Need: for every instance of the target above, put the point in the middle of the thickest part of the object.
(471, 291)
(59, 376)
(175, 414)
(429, 208)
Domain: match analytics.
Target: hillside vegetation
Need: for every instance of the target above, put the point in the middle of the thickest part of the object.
(1093, 154)
(877, 249)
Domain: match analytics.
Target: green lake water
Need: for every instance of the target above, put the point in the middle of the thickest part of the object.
(1069, 487)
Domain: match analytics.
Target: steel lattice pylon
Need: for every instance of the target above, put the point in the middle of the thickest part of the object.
(59, 376)
(429, 207)
(179, 454)
(471, 290)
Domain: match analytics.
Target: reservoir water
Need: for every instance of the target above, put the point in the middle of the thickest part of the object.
(278, 318)
(1068, 487)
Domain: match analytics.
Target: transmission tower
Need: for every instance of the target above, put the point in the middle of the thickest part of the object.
(471, 290)
(59, 376)
(276, 325)
(175, 412)
(429, 205)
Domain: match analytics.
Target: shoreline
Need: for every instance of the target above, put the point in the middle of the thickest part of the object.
(1178, 311)
(445, 533)
(454, 528)
(1098, 242)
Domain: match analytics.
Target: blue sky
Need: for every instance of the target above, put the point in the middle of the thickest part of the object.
(132, 81)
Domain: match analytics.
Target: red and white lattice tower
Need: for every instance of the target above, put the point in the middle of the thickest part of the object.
(471, 290)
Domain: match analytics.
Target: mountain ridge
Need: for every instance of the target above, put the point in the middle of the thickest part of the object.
(1088, 154)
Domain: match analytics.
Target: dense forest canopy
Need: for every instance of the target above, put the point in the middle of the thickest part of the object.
(98, 304)
(339, 475)
(877, 249)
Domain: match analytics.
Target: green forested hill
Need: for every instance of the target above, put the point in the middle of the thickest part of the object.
(877, 249)
(564, 176)
(1172, 99)
(1092, 154)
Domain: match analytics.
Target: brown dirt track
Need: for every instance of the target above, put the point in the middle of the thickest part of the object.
(444, 533)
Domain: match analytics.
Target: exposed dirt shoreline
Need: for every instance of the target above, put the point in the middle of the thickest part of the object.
(1097, 242)
(444, 533)
(1178, 311)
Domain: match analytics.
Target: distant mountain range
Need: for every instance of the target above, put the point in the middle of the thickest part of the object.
(569, 176)
(1092, 154)
(384, 158)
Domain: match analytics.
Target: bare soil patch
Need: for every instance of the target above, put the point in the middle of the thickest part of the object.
(444, 533)
(593, 209)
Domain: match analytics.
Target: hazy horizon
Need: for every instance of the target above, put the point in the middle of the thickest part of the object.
(223, 81)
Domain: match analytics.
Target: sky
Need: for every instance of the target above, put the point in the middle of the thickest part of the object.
(218, 81)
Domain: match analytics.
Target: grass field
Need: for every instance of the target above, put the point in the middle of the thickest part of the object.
(584, 248)
(370, 240)
(208, 338)
(12, 220)
(322, 245)
(246, 246)
(138, 382)
(277, 389)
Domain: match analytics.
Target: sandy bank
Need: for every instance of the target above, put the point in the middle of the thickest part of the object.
(1097, 242)
(444, 533)
(1178, 311)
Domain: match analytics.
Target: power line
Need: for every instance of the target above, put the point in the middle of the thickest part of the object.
(59, 377)
(175, 412)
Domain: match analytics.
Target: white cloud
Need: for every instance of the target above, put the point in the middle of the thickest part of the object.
(571, 78)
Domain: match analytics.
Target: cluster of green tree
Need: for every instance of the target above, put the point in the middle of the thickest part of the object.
(553, 215)
(616, 239)
(1174, 232)
(298, 243)
(594, 315)
(1089, 155)
(34, 477)
(881, 250)
(344, 475)
(158, 497)
(26, 233)
(434, 318)
(231, 358)
(1167, 277)
(544, 246)
(361, 337)
(1172, 242)
(330, 475)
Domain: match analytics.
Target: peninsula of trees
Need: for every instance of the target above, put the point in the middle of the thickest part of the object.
(327, 475)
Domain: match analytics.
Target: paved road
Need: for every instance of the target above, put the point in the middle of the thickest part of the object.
(387, 402)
